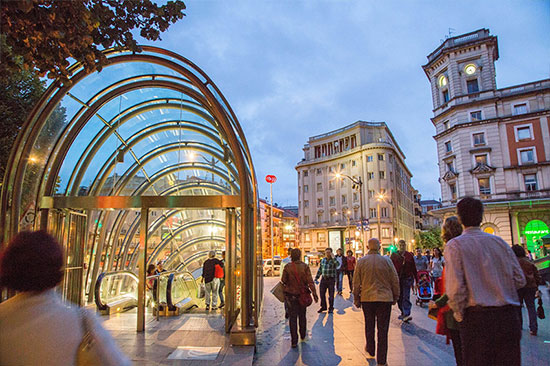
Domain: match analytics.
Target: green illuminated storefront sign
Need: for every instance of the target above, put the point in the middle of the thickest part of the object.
(534, 231)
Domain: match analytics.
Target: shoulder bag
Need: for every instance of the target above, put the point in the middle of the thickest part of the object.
(540, 309)
(305, 296)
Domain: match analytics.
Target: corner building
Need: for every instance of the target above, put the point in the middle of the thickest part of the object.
(492, 144)
(330, 207)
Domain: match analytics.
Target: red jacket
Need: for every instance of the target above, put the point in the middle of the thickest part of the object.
(404, 264)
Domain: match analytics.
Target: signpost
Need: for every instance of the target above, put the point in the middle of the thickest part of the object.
(271, 179)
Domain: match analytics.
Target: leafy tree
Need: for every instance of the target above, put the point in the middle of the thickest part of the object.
(43, 35)
(429, 239)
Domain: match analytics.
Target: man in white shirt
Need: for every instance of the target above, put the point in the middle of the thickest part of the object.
(481, 280)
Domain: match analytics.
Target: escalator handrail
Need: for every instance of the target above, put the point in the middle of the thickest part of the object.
(97, 292)
(169, 302)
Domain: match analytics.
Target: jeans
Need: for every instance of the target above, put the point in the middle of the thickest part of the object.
(527, 296)
(404, 302)
(212, 290)
(350, 279)
(491, 336)
(220, 292)
(339, 280)
(377, 313)
(297, 314)
(327, 283)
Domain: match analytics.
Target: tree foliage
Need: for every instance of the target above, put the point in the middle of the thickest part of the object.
(43, 35)
(429, 239)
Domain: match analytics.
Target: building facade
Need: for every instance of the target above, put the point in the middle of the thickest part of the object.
(429, 220)
(330, 203)
(493, 144)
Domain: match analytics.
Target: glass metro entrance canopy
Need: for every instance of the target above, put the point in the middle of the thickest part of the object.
(142, 162)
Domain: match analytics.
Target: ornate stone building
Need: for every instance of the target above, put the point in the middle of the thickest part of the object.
(493, 144)
(329, 201)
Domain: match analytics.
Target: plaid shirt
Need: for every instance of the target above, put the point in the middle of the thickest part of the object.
(327, 268)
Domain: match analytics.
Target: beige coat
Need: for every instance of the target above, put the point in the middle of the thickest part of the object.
(375, 279)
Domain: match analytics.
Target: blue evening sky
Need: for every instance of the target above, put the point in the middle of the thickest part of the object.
(295, 69)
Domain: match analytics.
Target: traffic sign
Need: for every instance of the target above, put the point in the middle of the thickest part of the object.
(270, 178)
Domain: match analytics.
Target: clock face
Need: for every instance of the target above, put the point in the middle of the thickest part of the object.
(470, 69)
(442, 81)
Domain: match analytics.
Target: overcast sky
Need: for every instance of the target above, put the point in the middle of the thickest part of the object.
(295, 69)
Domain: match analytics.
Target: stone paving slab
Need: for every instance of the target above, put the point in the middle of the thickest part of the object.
(339, 338)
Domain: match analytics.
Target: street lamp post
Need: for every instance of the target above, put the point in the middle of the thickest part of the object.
(358, 183)
(271, 179)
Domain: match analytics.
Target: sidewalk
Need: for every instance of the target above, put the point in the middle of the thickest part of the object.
(339, 338)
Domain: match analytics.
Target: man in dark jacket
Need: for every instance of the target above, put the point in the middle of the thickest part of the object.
(406, 269)
(211, 283)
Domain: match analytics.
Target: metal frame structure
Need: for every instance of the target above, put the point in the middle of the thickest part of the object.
(71, 163)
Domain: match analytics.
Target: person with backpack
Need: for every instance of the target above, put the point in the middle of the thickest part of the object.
(406, 270)
(298, 284)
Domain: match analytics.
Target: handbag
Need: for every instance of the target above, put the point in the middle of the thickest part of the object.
(305, 296)
(278, 291)
(90, 352)
(540, 310)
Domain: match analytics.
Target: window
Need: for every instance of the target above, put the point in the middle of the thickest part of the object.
(332, 201)
(319, 187)
(369, 157)
(344, 199)
(330, 170)
(306, 188)
(386, 232)
(442, 81)
(527, 156)
(446, 125)
(520, 108)
(484, 186)
(318, 171)
(382, 175)
(371, 193)
(355, 196)
(331, 184)
(383, 212)
(370, 175)
(342, 166)
(306, 203)
(319, 202)
(320, 236)
(475, 116)
(448, 146)
(445, 96)
(391, 176)
(305, 173)
(372, 213)
(306, 221)
(481, 159)
(380, 157)
(479, 139)
(530, 182)
(472, 86)
(452, 190)
(353, 163)
(319, 218)
(523, 133)
(450, 166)
(307, 236)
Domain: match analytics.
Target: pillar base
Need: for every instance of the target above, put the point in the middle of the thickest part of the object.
(242, 336)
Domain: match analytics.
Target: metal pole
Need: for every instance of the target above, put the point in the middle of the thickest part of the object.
(378, 215)
(271, 225)
(142, 260)
(362, 215)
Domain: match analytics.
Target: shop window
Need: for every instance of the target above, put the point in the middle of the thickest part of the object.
(530, 181)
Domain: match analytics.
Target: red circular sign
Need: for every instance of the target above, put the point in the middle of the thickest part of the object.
(270, 178)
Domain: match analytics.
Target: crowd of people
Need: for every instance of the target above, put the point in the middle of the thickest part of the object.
(477, 294)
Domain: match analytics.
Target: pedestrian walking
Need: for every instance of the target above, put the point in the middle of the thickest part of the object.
(375, 289)
(297, 280)
(428, 255)
(437, 263)
(284, 262)
(421, 262)
(530, 291)
(221, 289)
(406, 271)
(482, 276)
(327, 269)
(446, 323)
(350, 260)
(37, 326)
(342, 265)
(211, 283)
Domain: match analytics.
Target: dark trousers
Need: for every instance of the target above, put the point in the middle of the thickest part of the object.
(297, 314)
(491, 336)
(457, 346)
(404, 302)
(379, 313)
(327, 283)
(350, 279)
(527, 297)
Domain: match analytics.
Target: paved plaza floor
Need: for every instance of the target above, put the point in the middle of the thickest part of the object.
(339, 338)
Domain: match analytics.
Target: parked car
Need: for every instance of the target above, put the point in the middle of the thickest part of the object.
(276, 267)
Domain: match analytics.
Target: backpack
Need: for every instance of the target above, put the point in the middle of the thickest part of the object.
(218, 271)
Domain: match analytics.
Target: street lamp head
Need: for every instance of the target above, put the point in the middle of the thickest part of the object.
(338, 175)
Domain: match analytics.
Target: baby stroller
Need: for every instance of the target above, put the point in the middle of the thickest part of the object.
(423, 289)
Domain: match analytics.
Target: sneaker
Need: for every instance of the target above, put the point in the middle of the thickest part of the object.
(321, 310)
(407, 318)
(330, 311)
